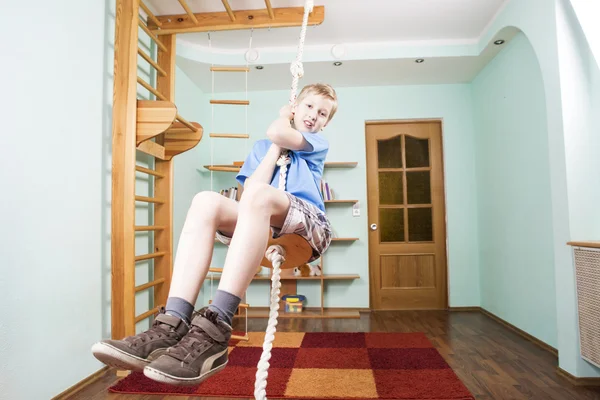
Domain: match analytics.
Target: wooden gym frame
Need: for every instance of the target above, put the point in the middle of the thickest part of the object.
(155, 127)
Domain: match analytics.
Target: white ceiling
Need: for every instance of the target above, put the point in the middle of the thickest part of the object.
(364, 23)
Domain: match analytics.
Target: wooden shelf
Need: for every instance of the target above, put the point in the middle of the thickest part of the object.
(222, 168)
(340, 164)
(327, 277)
(231, 102)
(306, 313)
(344, 239)
(236, 168)
(340, 201)
(595, 244)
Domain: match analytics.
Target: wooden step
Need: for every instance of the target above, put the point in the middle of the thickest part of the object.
(230, 135)
(153, 118)
(178, 140)
(244, 338)
(152, 148)
(229, 69)
(231, 102)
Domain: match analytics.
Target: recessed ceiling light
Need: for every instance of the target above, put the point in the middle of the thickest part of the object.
(419, 60)
(499, 42)
(259, 67)
(337, 63)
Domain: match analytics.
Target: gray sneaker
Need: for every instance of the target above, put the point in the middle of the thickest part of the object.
(201, 353)
(135, 352)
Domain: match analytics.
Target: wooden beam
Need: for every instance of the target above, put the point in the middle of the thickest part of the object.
(245, 19)
(123, 170)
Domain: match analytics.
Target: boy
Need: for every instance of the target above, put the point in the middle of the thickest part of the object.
(182, 349)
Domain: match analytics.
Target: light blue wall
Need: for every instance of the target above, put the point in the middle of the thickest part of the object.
(548, 25)
(53, 214)
(346, 133)
(513, 187)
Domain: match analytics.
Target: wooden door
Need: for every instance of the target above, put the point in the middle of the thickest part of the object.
(407, 233)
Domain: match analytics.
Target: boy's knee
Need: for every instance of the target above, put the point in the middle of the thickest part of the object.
(205, 201)
(255, 195)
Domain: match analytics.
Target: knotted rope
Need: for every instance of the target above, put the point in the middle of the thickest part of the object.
(276, 253)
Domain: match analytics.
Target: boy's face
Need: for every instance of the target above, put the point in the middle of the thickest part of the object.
(312, 113)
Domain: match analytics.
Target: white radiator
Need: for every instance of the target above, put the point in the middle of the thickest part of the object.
(587, 274)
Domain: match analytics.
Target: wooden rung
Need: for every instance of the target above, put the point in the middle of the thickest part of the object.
(218, 270)
(151, 89)
(231, 102)
(270, 9)
(237, 337)
(229, 11)
(149, 256)
(151, 62)
(147, 314)
(230, 135)
(186, 123)
(150, 14)
(149, 199)
(152, 36)
(142, 228)
(188, 11)
(149, 171)
(149, 284)
(229, 69)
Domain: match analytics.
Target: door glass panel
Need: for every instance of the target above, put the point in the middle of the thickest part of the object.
(418, 189)
(417, 152)
(391, 190)
(391, 224)
(420, 225)
(389, 152)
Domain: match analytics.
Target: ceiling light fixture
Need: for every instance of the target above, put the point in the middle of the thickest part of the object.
(419, 60)
(259, 67)
(337, 63)
(499, 42)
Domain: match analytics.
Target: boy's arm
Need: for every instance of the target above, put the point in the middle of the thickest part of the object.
(282, 134)
(264, 171)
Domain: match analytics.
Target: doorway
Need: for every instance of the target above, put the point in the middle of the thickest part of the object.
(406, 215)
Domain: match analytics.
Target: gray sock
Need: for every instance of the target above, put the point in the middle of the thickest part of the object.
(179, 307)
(225, 304)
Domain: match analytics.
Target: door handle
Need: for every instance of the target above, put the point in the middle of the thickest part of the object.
(373, 227)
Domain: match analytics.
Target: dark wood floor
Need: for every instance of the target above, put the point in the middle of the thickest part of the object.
(492, 361)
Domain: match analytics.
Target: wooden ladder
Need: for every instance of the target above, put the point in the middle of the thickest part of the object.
(155, 128)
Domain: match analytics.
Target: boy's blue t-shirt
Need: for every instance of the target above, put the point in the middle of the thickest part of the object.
(303, 173)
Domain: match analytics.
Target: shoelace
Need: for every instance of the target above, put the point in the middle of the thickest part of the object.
(152, 333)
(195, 341)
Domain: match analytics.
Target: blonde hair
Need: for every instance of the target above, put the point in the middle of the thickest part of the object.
(321, 89)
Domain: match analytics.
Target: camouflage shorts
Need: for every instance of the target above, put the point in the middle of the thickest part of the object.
(303, 219)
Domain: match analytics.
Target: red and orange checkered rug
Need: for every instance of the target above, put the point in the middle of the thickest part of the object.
(326, 366)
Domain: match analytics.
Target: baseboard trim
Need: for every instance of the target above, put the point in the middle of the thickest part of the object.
(469, 309)
(510, 326)
(590, 382)
(81, 384)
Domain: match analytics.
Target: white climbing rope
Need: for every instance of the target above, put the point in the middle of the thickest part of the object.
(276, 253)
